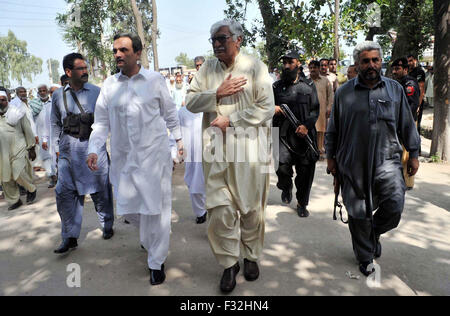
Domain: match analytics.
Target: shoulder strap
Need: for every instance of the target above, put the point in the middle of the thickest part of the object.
(65, 101)
(74, 96)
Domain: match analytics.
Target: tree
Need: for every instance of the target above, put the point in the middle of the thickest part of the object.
(140, 31)
(99, 21)
(15, 61)
(53, 66)
(440, 145)
(184, 60)
(155, 35)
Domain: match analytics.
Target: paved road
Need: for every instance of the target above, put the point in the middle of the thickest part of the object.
(301, 256)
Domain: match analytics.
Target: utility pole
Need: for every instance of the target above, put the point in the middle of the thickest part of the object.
(336, 30)
(140, 29)
(155, 35)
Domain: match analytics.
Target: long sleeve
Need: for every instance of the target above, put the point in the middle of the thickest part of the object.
(56, 125)
(199, 98)
(263, 107)
(28, 132)
(101, 126)
(314, 109)
(169, 110)
(330, 96)
(47, 123)
(407, 129)
(331, 135)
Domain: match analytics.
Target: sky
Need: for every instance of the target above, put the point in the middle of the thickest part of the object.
(183, 24)
(184, 27)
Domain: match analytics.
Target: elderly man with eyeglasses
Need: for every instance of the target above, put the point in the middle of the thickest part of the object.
(234, 91)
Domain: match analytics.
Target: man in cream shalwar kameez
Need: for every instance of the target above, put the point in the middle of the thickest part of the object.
(15, 141)
(136, 108)
(233, 90)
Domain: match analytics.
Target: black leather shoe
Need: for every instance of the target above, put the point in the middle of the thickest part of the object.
(22, 190)
(286, 197)
(228, 281)
(53, 181)
(302, 211)
(377, 253)
(363, 268)
(31, 196)
(66, 245)
(157, 276)
(15, 205)
(201, 219)
(251, 270)
(107, 234)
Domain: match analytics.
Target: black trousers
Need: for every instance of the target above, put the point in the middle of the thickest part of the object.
(363, 236)
(303, 180)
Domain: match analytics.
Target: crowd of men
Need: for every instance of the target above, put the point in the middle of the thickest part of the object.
(365, 126)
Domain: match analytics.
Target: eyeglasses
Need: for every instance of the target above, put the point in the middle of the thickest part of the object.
(222, 39)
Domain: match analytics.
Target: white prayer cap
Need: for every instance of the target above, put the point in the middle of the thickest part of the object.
(3, 94)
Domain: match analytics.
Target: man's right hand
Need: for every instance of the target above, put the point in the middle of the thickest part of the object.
(44, 146)
(92, 162)
(230, 87)
(332, 166)
(278, 110)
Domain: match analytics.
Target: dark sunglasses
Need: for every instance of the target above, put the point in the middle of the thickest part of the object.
(222, 39)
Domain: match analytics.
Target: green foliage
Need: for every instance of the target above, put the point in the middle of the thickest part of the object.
(435, 159)
(15, 61)
(100, 20)
(183, 59)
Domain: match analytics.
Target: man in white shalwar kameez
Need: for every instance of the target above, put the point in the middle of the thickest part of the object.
(136, 108)
(41, 108)
(16, 144)
(191, 129)
(234, 90)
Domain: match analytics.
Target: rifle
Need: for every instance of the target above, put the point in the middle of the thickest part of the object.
(337, 188)
(296, 123)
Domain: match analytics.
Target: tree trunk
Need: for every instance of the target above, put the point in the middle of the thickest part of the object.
(140, 29)
(155, 36)
(440, 144)
(267, 15)
(337, 10)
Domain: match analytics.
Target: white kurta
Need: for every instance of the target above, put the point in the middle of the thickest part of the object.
(191, 129)
(137, 111)
(42, 122)
(19, 104)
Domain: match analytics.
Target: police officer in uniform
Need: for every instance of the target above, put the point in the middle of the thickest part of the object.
(410, 85)
(300, 94)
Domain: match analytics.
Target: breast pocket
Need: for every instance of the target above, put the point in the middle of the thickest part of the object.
(385, 110)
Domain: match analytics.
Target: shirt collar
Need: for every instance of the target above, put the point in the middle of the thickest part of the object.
(85, 87)
(140, 73)
(357, 83)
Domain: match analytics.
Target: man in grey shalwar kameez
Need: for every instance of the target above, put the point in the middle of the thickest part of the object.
(369, 123)
(75, 180)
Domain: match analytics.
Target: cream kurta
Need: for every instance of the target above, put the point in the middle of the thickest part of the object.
(14, 142)
(325, 94)
(243, 184)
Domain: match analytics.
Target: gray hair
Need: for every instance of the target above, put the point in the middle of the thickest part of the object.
(43, 85)
(366, 46)
(199, 58)
(234, 26)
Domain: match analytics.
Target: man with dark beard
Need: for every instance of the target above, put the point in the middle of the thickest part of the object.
(370, 121)
(300, 94)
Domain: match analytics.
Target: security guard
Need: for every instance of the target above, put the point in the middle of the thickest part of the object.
(300, 94)
(411, 87)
